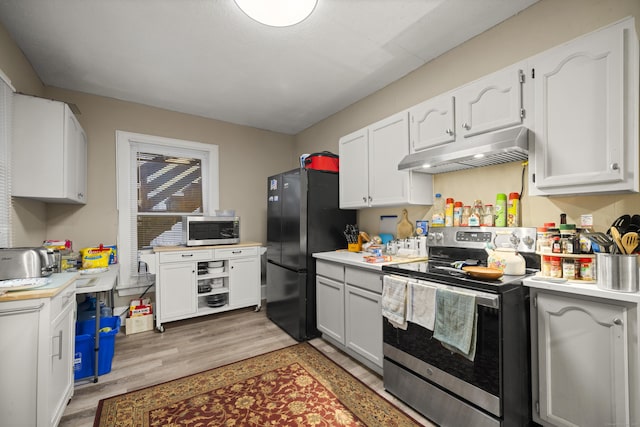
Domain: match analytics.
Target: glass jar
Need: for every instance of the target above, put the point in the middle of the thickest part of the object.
(488, 217)
(569, 239)
(466, 213)
(476, 214)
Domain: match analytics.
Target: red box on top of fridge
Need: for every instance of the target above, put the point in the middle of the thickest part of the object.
(325, 161)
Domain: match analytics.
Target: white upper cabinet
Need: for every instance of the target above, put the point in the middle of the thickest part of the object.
(432, 122)
(369, 174)
(49, 152)
(586, 114)
(491, 103)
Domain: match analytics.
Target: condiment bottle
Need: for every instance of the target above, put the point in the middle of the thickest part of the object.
(448, 212)
(487, 217)
(501, 210)
(569, 239)
(466, 213)
(476, 214)
(437, 216)
(457, 214)
(513, 210)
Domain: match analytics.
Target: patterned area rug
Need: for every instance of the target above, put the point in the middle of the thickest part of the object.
(295, 386)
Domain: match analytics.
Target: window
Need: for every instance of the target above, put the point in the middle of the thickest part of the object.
(6, 108)
(159, 181)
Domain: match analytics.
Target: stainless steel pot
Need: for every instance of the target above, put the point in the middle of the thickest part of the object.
(617, 272)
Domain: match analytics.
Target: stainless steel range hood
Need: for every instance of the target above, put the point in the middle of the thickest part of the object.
(493, 148)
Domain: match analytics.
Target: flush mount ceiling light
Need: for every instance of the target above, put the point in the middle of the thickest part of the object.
(277, 13)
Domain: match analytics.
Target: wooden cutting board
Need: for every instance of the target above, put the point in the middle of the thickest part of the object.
(404, 228)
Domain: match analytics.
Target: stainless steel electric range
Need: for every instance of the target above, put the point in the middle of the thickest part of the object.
(446, 387)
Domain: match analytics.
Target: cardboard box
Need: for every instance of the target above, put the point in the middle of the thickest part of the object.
(139, 324)
(140, 307)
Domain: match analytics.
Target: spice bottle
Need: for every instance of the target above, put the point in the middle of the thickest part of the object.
(556, 267)
(569, 268)
(569, 239)
(487, 217)
(457, 214)
(466, 213)
(476, 214)
(448, 212)
(501, 210)
(586, 269)
(545, 265)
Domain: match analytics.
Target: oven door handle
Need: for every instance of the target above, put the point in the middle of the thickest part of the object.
(482, 298)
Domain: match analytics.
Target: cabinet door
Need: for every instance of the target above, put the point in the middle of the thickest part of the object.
(354, 174)
(582, 362)
(76, 158)
(585, 95)
(20, 325)
(363, 323)
(61, 354)
(330, 308)
(432, 123)
(244, 282)
(388, 145)
(176, 290)
(491, 103)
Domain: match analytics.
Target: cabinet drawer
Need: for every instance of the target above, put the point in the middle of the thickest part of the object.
(235, 252)
(369, 280)
(180, 256)
(331, 270)
(62, 300)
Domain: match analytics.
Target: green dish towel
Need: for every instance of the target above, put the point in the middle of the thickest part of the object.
(455, 324)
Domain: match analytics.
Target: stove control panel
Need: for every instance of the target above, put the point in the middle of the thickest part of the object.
(522, 239)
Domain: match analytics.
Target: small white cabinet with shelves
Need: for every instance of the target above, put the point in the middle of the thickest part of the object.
(196, 282)
(49, 152)
(586, 114)
(369, 174)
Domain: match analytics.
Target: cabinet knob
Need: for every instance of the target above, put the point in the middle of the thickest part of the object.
(615, 166)
(617, 321)
(466, 126)
(364, 199)
(449, 131)
(80, 195)
(370, 199)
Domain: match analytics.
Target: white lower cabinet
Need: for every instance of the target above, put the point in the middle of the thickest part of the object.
(349, 314)
(198, 282)
(36, 354)
(584, 366)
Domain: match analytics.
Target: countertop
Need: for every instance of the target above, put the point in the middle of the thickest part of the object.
(357, 259)
(586, 289)
(196, 248)
(59, 281)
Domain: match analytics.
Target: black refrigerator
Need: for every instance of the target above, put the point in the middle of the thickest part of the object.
(303, 217)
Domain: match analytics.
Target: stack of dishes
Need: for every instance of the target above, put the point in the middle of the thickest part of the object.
(214, 267)
(217, 300)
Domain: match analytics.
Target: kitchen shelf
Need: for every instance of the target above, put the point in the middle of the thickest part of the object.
(216, 291)
(592, 256)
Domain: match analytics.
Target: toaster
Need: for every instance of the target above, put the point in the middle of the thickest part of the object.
(26, 263)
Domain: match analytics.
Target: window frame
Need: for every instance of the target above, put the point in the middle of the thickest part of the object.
(127, 144)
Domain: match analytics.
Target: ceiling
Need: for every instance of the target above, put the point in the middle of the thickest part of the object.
(207, 58)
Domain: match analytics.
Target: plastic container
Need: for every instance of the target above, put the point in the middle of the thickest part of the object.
(437, 215)
(545, 265)
(543, 240)
(569, 268)
(501, 210)
(466, 213)
(556, 267)
(83, 363)
(586, 269)
(448, 212)
(457, 214)
(513, 210)
(476, 214)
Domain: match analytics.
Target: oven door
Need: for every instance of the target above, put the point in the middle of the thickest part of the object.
(476, 381)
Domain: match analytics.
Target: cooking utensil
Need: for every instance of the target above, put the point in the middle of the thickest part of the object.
(475, 272)
(615, 234)
(629, 242)
(622, 223)
(601, 239)
(404, 228)
(635, 220)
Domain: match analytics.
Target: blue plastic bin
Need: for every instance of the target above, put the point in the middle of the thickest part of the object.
(83, 363)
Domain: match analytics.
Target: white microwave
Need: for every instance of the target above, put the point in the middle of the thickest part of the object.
(210, 230)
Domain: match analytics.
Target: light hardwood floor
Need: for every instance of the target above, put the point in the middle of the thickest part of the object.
(190, 346)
